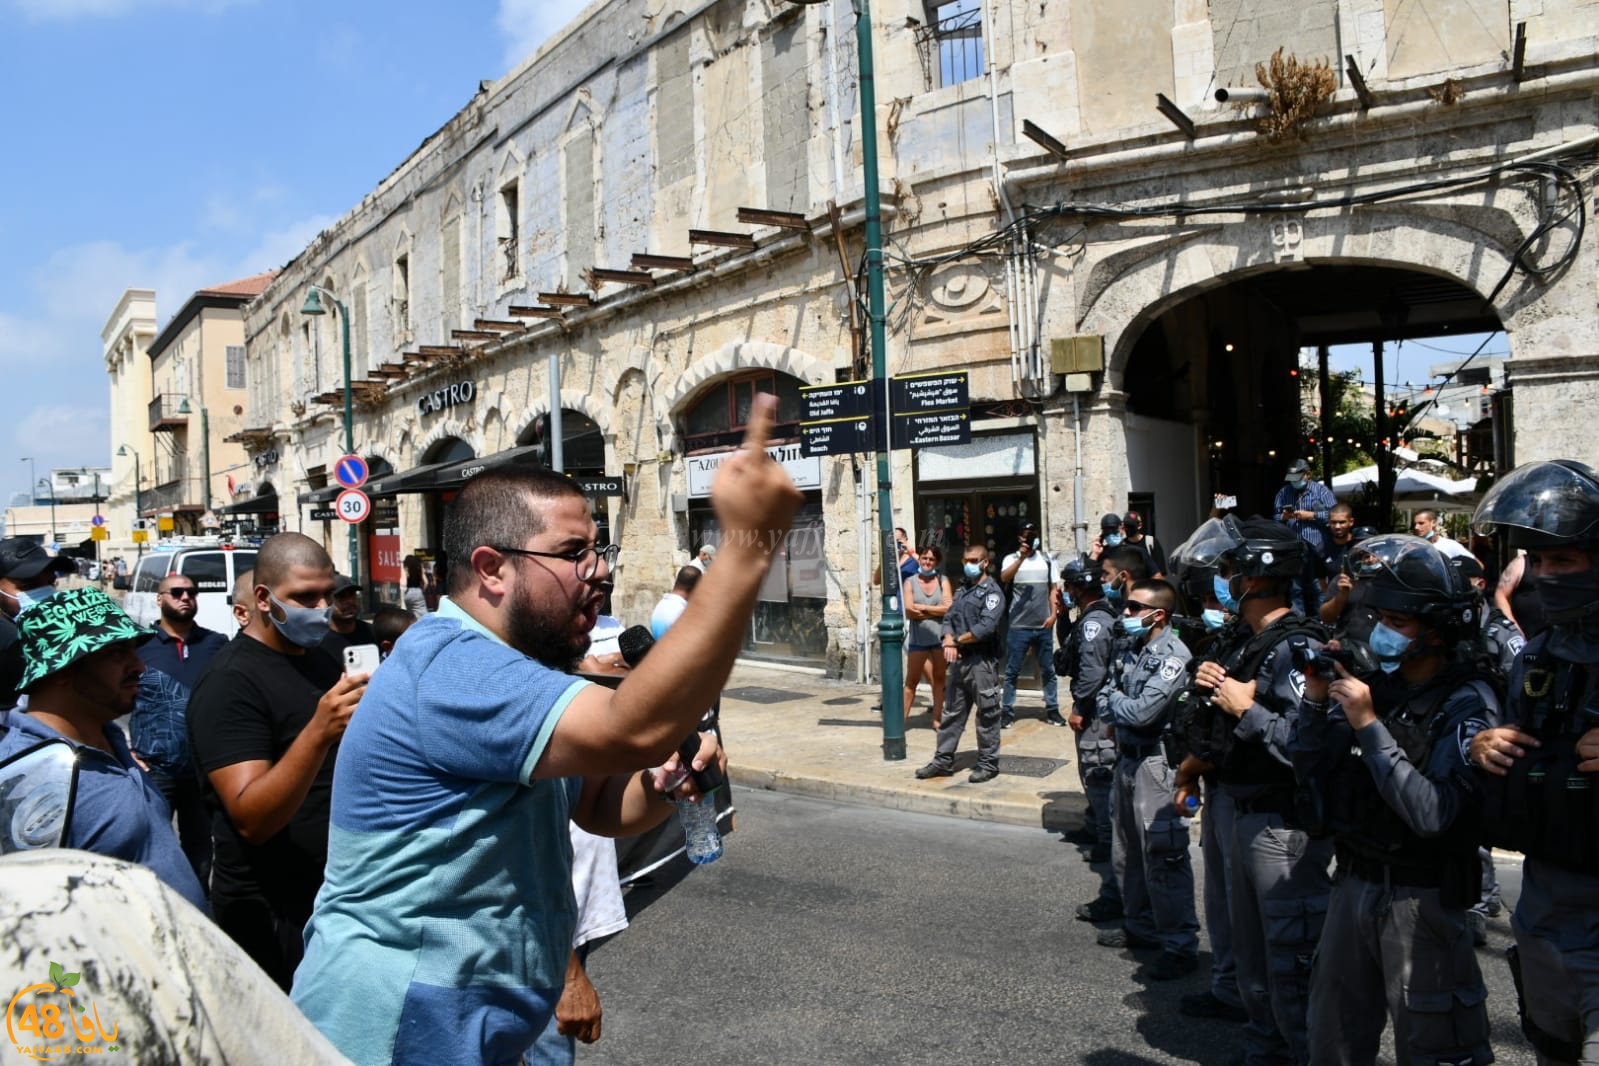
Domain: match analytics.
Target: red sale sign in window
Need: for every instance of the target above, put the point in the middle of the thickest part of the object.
(386, 559)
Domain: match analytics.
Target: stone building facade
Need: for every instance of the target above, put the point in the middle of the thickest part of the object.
(641, 213)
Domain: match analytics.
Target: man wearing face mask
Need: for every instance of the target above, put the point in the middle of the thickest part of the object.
(1428, 527)
(264, 725)
(970, 635)
(1304, 505)
(1537, 771)
(27, 575)
(1119, 570)
(1378, 759)
(1085, 658)
(1030, 575)
(1151, 837)
(1110, 536)
(1242, 705)
(1134, 536)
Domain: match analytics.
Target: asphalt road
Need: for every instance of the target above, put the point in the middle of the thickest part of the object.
(834, 934)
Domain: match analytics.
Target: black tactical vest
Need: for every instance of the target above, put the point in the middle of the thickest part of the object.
(1069, 657)
(1545, 807)
(1348, 805)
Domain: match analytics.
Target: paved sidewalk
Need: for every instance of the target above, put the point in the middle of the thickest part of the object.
(794, 732)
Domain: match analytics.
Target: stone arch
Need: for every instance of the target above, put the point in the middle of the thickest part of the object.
(731, 358)
(571, 400)
(1125, 291)
(448, 428)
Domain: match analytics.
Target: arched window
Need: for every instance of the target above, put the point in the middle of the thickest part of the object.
(717, 419)
(448, 450)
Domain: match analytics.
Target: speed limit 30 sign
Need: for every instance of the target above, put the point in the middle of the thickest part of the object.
(353, 506)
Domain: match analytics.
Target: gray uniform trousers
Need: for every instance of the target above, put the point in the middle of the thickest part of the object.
(1280, 884)
(1556, 925)
(1216, 844)
(1150, 853)
(1096, 767)
(1394, 951)
(973, 680)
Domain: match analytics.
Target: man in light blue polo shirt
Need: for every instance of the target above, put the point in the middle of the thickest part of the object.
(444, 925)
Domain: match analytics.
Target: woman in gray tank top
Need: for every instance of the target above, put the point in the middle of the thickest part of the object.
(926, 595)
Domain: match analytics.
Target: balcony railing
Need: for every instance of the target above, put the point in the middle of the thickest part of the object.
(164, 414)
(182, 494)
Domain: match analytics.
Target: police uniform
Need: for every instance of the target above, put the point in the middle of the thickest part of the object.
(1396, 942)
(1090, 654)
(1549, 811)
(1279, 877)
(1151, 840)
(973, 679)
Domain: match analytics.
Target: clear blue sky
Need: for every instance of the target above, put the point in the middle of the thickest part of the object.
(177, 144)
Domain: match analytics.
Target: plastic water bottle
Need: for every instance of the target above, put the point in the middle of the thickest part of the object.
(701, 837)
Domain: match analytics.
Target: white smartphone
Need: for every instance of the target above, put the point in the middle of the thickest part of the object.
(361, 659)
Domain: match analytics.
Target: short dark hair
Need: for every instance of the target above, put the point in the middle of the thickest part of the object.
(1432, 516)
(390, 620)
(283, 552)
(938, 553)
(1160, 594)
(687, 578)
(499, 507)
(1130, 559)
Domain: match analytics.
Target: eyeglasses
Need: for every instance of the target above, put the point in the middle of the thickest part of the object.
(1134, 607)
(585, 561)
(180, 594)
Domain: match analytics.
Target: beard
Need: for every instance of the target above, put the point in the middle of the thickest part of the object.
(179, 614)
(553, 641)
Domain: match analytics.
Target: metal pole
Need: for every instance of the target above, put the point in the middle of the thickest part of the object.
(557, 452)
(205, 452)
(349, 433)
(138, 501)
(52, 511)
(891, 626)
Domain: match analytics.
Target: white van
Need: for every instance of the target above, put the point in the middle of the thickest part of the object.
(213, 570)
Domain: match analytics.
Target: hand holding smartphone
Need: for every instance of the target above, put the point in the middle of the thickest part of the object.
(361, 659)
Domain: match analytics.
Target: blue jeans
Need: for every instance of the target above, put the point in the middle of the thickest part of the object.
(1042, 643)
(551, 1048)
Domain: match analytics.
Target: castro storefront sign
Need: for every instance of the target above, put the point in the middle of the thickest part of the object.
(458, 394)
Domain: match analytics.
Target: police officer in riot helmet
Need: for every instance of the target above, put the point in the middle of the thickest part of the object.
(1537, 771)
(1085, 658)
(1376, 749)
(1245, 696)
(1193, 564)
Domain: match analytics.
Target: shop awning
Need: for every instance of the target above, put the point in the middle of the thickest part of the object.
(267, 504)
(327, 495)
(445, 477)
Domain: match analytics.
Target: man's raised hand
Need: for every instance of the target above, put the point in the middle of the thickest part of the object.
(754, 498)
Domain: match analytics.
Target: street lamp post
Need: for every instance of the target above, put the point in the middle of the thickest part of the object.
(50, 482)
(313, 306)
(891, 626)
(138, 496)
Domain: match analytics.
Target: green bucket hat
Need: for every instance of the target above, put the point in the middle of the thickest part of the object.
(69, 625)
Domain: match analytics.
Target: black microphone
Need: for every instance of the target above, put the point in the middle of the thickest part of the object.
(634, 643)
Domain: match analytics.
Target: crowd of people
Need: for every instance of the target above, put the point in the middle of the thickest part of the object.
(1356, 719)
(393, 848)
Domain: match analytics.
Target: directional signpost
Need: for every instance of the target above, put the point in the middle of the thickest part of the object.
(931, 409)
(847, 417)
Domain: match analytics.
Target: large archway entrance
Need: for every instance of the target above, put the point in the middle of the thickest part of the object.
(1225, 385)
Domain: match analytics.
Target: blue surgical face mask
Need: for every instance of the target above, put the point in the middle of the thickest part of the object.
(1135, 625)
(31, 598)
(1213, 618)
(926, 572)
(304, 627)
(1224, 592)
(973, 571)
(1389, 645)
(1113, 540)
(1110, 590)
